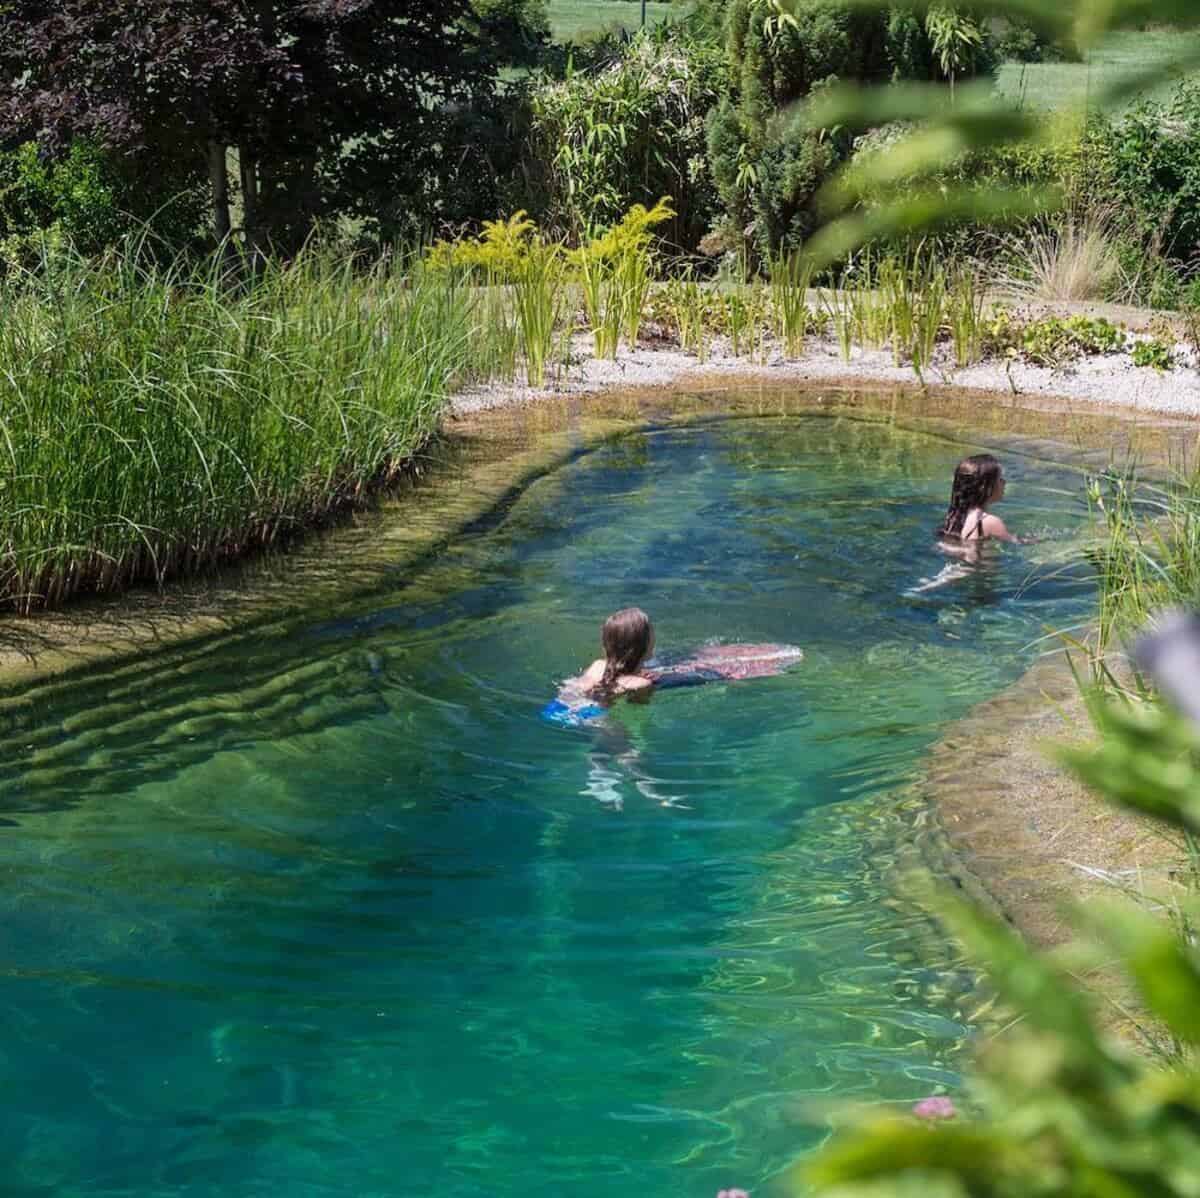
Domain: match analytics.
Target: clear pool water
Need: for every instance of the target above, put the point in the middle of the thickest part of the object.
(332, 913)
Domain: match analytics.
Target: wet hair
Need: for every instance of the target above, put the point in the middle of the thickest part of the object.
(626, 637)
(976, 480)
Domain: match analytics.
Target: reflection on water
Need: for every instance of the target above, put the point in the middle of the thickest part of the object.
(333, 912)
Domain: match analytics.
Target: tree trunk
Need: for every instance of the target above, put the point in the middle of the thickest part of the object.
(251, 207)
(218, 178)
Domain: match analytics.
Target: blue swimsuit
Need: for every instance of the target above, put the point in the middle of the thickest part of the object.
(566, 716)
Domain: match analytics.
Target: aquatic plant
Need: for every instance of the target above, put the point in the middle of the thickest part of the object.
(495, 256)
(929, 314)
(791, 275)
(1150, 554)
(690, 306)
(615, 270)
(737, 319)
(872, 300)
(539, 302)
(964, 315)
(155, 420)
(900, 287)
(602, 303)
(839, 305)
(495, 334)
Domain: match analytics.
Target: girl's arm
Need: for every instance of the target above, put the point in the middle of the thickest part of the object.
(685, 674)
(637, 690)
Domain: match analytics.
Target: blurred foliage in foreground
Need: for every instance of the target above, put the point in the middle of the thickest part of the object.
(941, 129)
(1055, 1108)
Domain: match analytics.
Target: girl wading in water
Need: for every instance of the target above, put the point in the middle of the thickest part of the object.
(978, 484)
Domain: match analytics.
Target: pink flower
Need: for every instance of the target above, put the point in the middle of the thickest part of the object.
(933, 1109)
(732, 1194)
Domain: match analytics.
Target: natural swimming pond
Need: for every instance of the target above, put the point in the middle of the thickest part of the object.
(331, 912)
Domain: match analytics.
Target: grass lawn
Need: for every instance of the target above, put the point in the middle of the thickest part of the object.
(1057, 85)
(570, 18)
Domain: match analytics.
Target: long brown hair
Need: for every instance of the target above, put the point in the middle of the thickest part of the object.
(626, 636)
(976, 480)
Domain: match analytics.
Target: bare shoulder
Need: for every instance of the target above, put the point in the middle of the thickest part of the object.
(592, 674)
(993, 526)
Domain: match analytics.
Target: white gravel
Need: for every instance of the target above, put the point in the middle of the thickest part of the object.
(1110, 379)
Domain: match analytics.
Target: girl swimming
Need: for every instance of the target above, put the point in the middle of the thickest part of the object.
(978, 483)
(627, 638)
(628, 641)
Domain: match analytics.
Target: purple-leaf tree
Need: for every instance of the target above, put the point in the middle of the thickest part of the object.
(317, 105)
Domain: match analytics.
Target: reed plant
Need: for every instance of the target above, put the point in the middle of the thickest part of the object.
(1150, 555)
(964, 315)
(871, 310)
(633, 283)
(739, 314)
(839, 305)
(929, 313)
(495, 334)
(157, 419)
(758, 317)
(539, 301)
(615, 270)
(900, 285)
(791, 275)
(601, 303)
(689, 305)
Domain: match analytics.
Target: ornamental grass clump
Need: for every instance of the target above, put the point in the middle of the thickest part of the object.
(964, 315)
(689, 305)
(538, 298)
(156, 421)
(615, 270)
(791, 275)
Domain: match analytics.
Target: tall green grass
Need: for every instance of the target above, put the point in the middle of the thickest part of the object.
(1150, 557)
(791, 275)
(539, 300)
(155, 420)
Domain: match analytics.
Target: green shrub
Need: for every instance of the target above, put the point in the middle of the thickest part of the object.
(1153, 353)
(516, 31)
(768, 173)
(90, 199)
(1150, 159)
(1018, 41)
(626, 132)
(1053, 340)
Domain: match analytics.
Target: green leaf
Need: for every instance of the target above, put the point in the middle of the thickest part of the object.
(886, 1148)
(921, 209)
(1046, 997)
(1145, 760)
(1166, 972)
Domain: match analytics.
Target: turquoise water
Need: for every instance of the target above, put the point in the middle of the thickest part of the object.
(333, 913)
